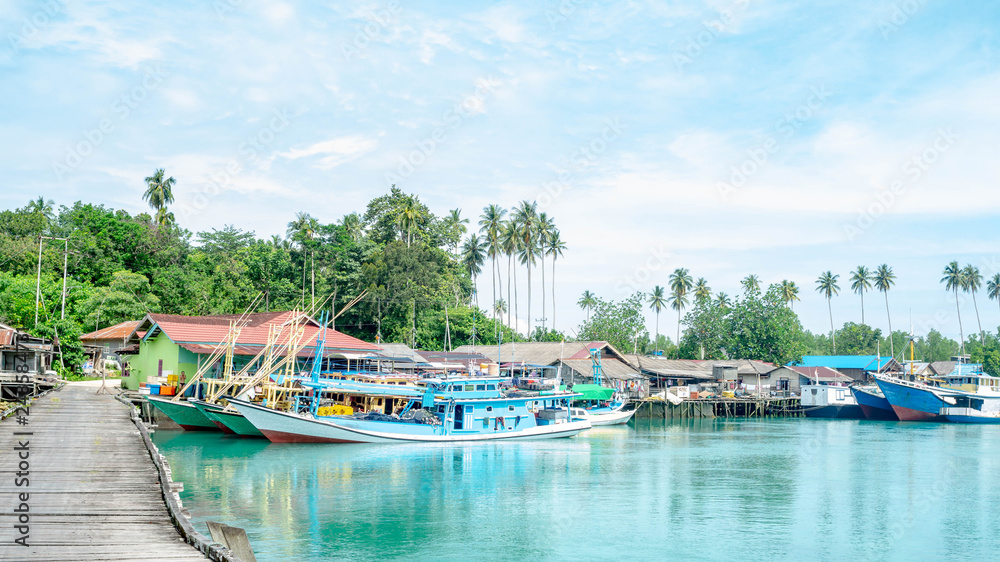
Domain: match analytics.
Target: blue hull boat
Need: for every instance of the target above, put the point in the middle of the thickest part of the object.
(873, 403)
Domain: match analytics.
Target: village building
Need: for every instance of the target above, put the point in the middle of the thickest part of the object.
(820, 375)
(24, 361)
(859, 368)
(179, 345)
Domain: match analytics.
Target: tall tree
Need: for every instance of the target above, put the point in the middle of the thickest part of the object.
(861, 281)
(954, 279)
(352, 225)
(884, 280)
(473, 256)
(160, 193)
(680, 285)
(789, 292)
(657, 302)
(827, 286)
(972, 280)
(455, 225)
(556, 247)
(546, 227)
(526, 221)
(491, 225)
(587, 302)
(993, 288)
(303, 231)
(723, 301)
(751, 283)
(701, 290)
(511, 243)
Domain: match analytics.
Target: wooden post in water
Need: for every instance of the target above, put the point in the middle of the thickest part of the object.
(233, 538)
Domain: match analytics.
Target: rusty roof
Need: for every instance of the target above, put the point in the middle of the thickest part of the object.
(213, 330)
(7, 336)
(117, 332)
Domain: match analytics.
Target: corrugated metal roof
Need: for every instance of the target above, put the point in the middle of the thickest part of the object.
(116, 332)
(612, 368)
(822, 374)
(212, 330)
(862, 362)
(540, 353)
(7, 336)
(943, 367)
(684, 368)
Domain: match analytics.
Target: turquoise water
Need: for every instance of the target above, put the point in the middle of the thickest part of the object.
(704, 490)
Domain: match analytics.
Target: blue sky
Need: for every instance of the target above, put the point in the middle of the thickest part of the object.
(731, 137)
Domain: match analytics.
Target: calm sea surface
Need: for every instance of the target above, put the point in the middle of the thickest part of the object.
(706, 489)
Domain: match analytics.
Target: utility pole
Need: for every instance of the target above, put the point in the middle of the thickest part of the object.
(38, 277)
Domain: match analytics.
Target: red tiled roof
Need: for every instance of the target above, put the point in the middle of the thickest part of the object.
(824, 374)
(116, 332)
(213, 330)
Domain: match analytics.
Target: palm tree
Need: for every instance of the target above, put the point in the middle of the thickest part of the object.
(657, 301)
(526, 221)
(546, 226)
(972, 280)
(456, 224)
(993, 288)
(953, 281)
(473, 256)
(587, 302)
(303, 230)
(45, 208)
(491, 224)
(407, 218)
(827, 286)
(510, 243)
(884, 280)
(159, 193)
(723, 301)
(555, 249)
(750, 283)
(680, 285)
(352, 225)
(702, 292)
(861, 281)
(500, 308)
(789, 293)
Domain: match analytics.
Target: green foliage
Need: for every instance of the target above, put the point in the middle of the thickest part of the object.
(936, 347)
(753, 326)
(620, 323)
(858, 339)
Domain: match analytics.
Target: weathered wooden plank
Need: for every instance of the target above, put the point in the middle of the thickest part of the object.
(93, 491)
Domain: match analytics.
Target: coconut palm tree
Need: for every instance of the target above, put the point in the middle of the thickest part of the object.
(953, 280)
(972, 280)
(680, 285)
(500, 308)
(352, 225)
(546, 226)
(160, 193)
(884, 279)
(302, 230)
(861, 281)
(491, 225)
(456, 226)
(723, 301)
(789, 293)
(408, 215)
(556, 247)
(510, 244)
(750, 283)
(827, 286)
(657, 302)
(587, 302)
(473, 256)
(993, 288)
(526, 220)
(702, 292)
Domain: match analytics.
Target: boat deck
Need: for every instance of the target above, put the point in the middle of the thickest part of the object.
(93, 490)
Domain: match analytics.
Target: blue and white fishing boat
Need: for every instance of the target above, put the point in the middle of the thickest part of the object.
(938, 397)
(448, 411)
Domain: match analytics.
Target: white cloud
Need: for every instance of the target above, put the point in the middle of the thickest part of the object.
(335, 151)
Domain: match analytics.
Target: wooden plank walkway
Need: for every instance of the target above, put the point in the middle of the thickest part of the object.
(93, 491)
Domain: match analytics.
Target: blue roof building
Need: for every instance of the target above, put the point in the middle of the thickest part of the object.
(857, 367)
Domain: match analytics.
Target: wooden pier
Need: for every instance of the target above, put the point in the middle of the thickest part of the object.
(751, 407)
(89, 488)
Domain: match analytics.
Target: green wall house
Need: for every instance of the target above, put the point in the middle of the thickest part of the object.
(171, 344)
